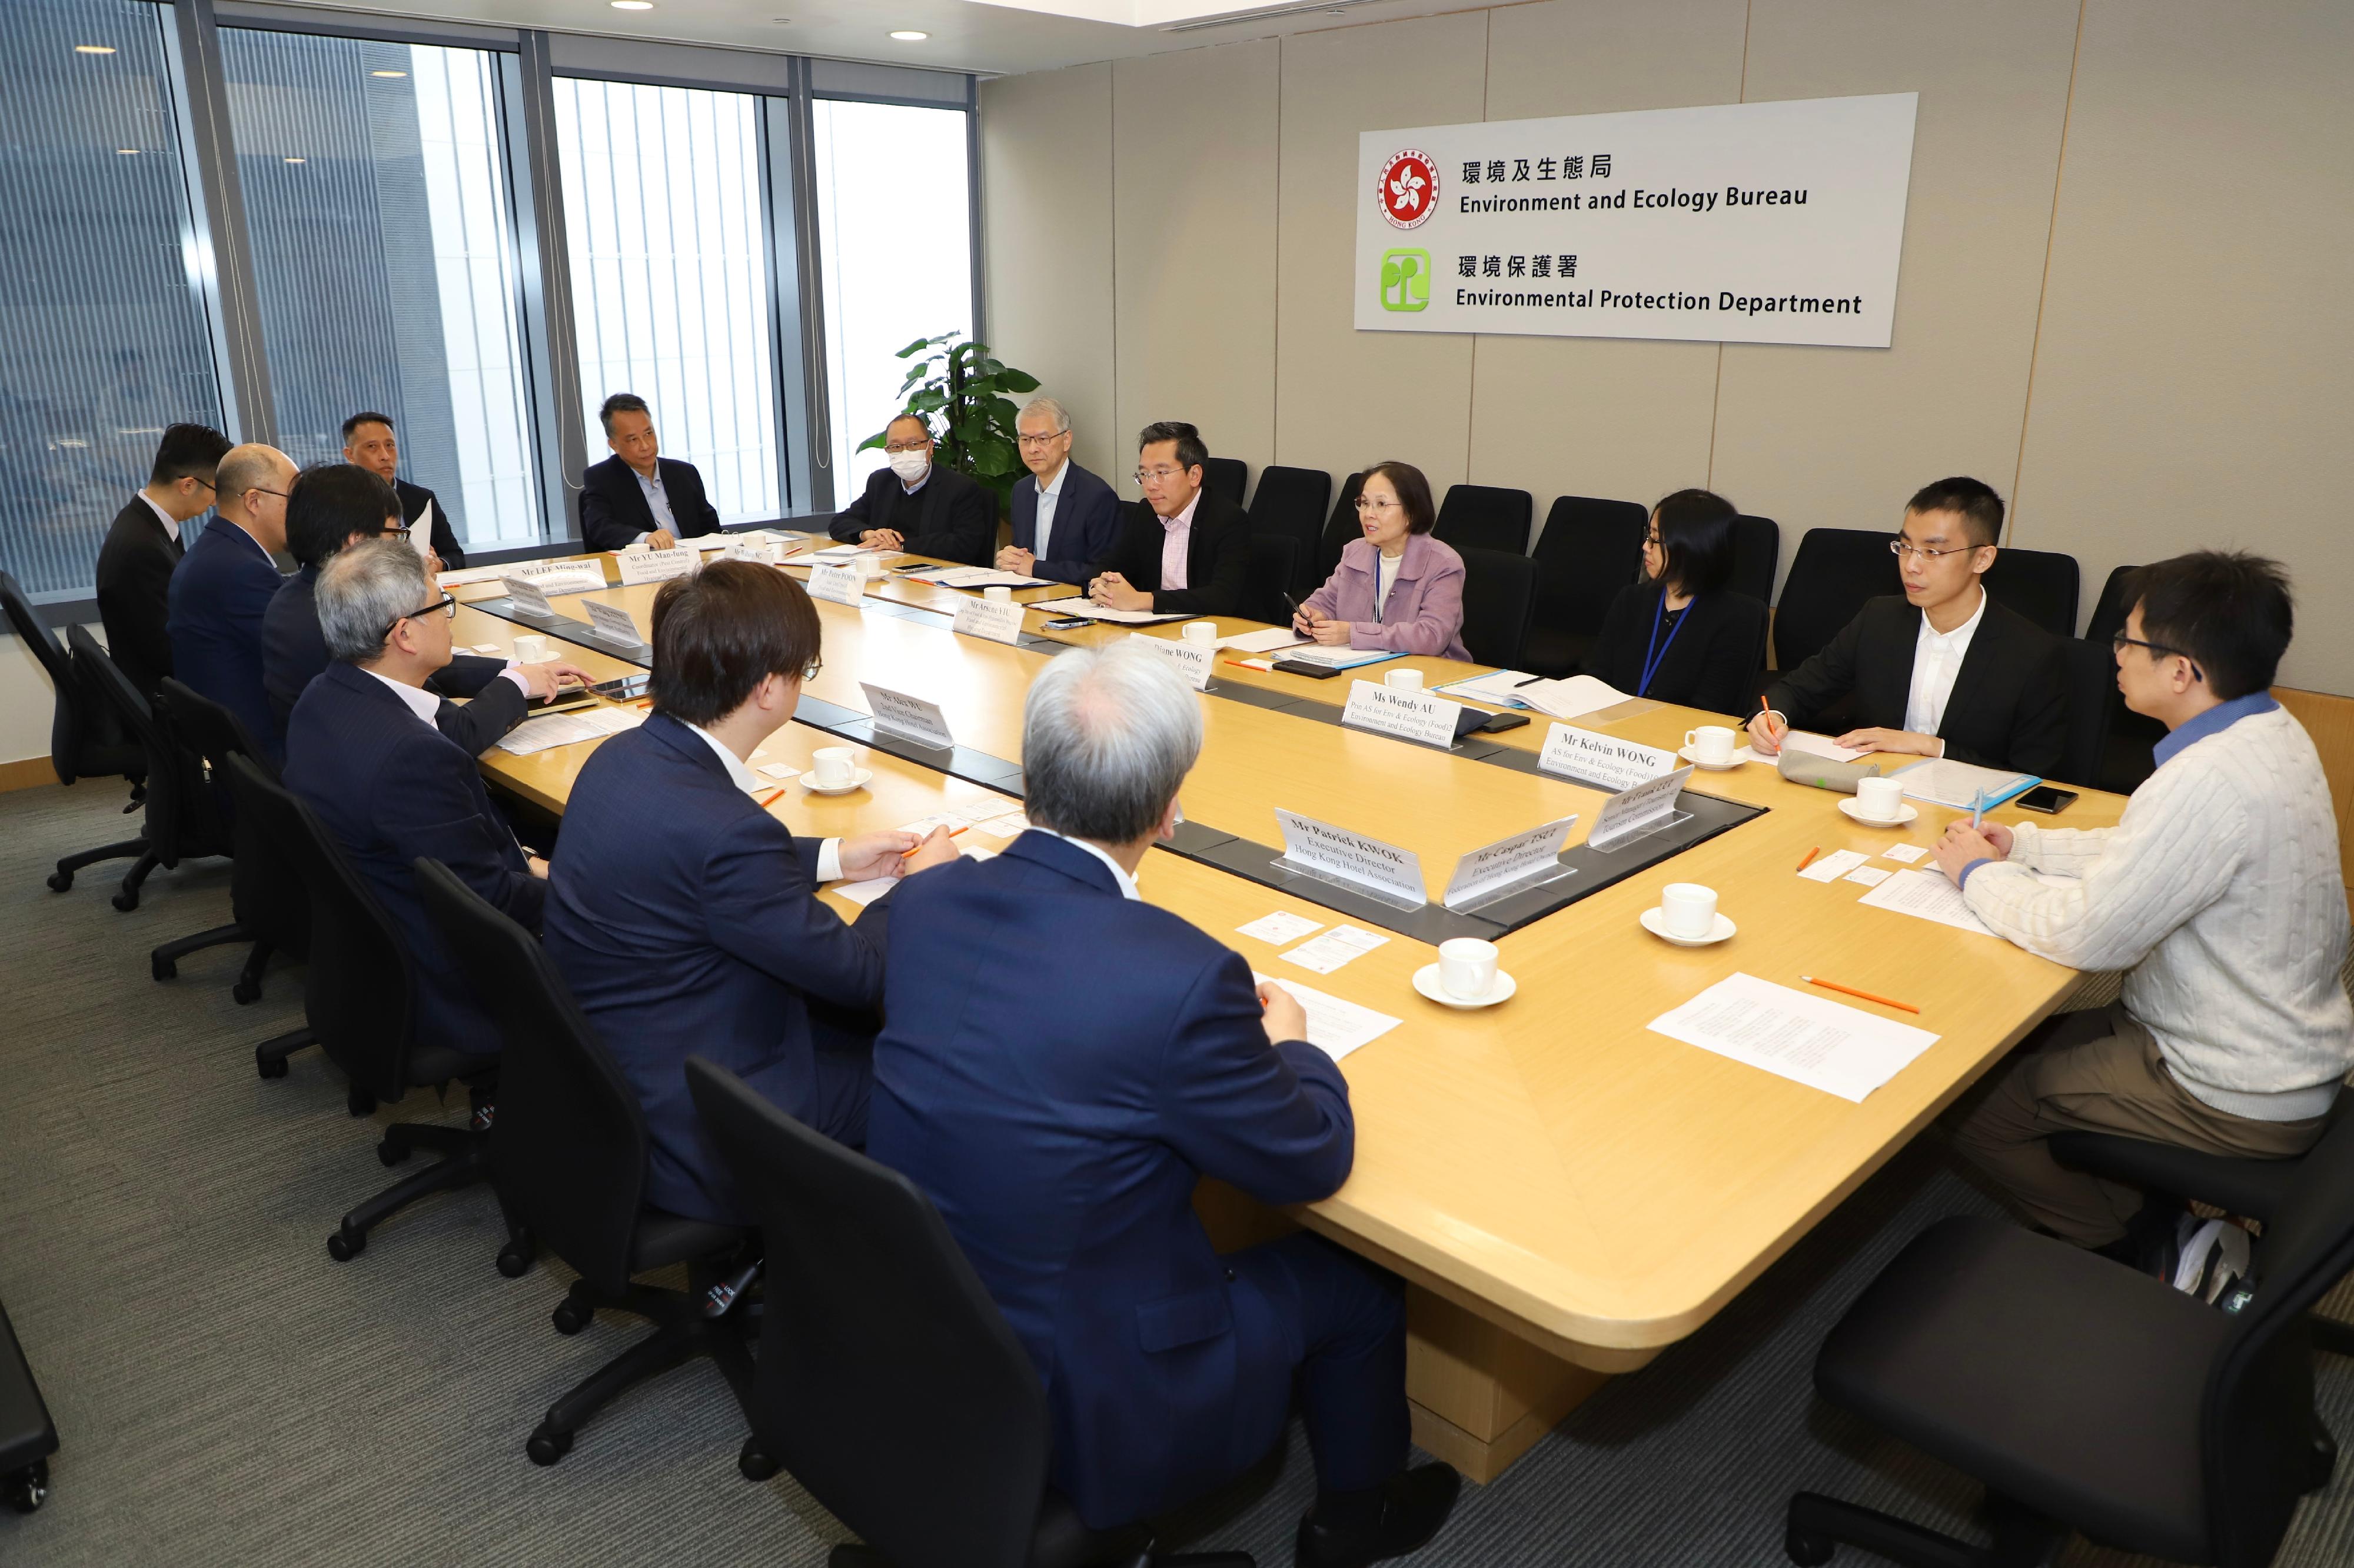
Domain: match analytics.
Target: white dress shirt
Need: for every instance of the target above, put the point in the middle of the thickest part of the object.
(1119, 872)
(829, 852)
(1048, 495)
(416, 699)
(1936, 658)
(657, 503)
(171, 524)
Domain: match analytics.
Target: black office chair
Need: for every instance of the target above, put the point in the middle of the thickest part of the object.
(890, 1384)
(1485, 518)
(1757, 552)
(2109, 611)
(27, 1436)
(1338, 529)
(2089, 1396)
(2125, 759)
(569, 1161)
(1589, 551)
(1292, 501)
(359, 992)
(1498, 595)
(1835, 571)
(2038, 584)
(1740, 699)
(1226, 477)
(85, 741)
(1273, 562)
(182, 819)
(2090, 672)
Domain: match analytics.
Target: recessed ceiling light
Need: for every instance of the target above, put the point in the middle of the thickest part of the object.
(93, 48)
(389, 75)
(909, 35)
(634, 5)
(298, 160)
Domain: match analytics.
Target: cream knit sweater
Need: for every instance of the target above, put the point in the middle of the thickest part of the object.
(2220, 891)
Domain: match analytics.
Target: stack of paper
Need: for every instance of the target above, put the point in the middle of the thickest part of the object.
(1274, 639)
(974, 578)
(1088, 609)
(1502, 687)
(1929, 896)
(1334, 948)
(1341, 658)
(1334, 1027)
(1573, 698)
(1815, 744)
(569, 729)
(1938, 781)
(1810, 1040)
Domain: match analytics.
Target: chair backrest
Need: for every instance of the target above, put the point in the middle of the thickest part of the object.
(1740, 698)
(1756, 552)
(2041, 585)
(359, 986)
(890, 1384)
(264, 889)
(1834, 572)
(1499, 591)
(1485, 518)
(1274, 562)
(1228, 477)
(1339, 527)
(1292, 501)
(75, 729)
(2091, 676)
(2109, 611)
(1589, 551)
(181, 819)
(571, 1149)
(2255, 1418)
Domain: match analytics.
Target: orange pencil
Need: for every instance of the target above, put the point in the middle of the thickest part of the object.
(1810, 857)
(772, 797)
(905, 853)
(1868, 996)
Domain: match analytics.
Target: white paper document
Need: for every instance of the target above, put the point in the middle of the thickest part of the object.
(1334, 948)
(1815, 744)
(1499, 688)
(1273, 639)
(1088, 609)
(491, 648)
(1281, 928)
(471, 574)
(709, 542)
(1573, 698)
(977, 577)
(569, 729)
(864, 893)
(837, 554)
(1908, 854)
(1012, 825)
(779, 771)
(1334, 1027)
(1930, 895)
(1870, 875)
(1832, 866)
(987, 809)
(1810, 1040)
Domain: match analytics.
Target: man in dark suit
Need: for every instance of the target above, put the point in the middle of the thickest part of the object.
(223, 587)
(144, 545)
(369, 441)
(1181, 551)
(364, 752)
(637, 494)
(918, 506)
(1065, 520)
(335, 506)
(1944, 671)
(695, 926)
(1061, 1116)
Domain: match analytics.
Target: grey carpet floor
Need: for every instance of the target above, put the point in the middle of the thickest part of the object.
(228, 1394)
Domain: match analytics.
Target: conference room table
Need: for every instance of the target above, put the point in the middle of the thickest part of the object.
(1565, 1191)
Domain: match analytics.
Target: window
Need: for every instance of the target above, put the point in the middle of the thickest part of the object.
(894, 241)
(662, 204)
(375, 201)
(103, 337)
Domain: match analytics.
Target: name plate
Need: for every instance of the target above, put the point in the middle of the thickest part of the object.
(526, 596)
(655, 566)
(1593, 758)
(838, 584)
(1389, 873)
(1631, 813)
(1509, 865)
(613, 622)
(576, 578)
(998, 621)
(914, 717)
(1185, 658)
(1409, 715)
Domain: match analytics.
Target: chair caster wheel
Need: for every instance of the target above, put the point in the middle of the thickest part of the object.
(245, 994)
(1806, 1548)
(547, 1445)
(346, 1244)
(60, 881)
(753, 1461)
(391, 1153)
(266, 1066)
(26, 1489)
(2322, 1464)
(572, 1319)
(515, 1262)
(360, 1102)
(125, 901)
(163, 969)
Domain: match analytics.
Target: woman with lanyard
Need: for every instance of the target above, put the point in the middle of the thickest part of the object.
(1680, 635)
(1397, 588)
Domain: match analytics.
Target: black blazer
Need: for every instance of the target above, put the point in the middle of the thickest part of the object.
(1087, 525)
(414, 500)
(613, 510)
(1713, 655)
(294, 650)
(951, 517)
(1217, 557)
(135, 585)
(2010, 706)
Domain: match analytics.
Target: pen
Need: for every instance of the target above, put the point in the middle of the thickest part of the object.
(1977, 810)
(1532, 680)
(1868, 996)
(1810, 857)
(905, 853)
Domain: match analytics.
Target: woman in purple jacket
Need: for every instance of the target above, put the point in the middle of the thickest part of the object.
(1397, 588)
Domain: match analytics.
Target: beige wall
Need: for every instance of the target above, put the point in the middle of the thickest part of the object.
(2121, 298)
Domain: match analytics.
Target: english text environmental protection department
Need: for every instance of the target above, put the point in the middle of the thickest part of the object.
(1614, 300)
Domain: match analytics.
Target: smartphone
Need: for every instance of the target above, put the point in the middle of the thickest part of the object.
(1065, 624)
(1497, 721)
(623, 688)
(2047, 799)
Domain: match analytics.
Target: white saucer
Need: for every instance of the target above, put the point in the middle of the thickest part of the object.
(858, 779)
(1717, 933)
(1425, 981)
(1906, 814)
(1686, 753)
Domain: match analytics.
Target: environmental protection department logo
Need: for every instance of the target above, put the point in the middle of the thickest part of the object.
(1408, 189)
(1406, 280)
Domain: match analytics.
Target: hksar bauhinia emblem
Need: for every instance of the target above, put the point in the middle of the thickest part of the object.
(1409, 188)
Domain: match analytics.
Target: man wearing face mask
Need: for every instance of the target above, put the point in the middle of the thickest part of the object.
(917, 505)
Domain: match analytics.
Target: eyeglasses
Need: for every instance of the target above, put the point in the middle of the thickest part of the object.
(447, 604)
(1901, 549)
(257, 489)
(394, 530)
(809, 673)
(919, 444)
(1365, 505)
(2120, 642)
(1040, 441)
(1163, 473)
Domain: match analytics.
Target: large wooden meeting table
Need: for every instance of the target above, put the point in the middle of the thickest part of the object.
(1565, 1192)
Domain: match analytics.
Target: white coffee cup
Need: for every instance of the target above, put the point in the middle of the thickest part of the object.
(1878, 799)
(1205, 633)
(1467, 968)
(1687, 909)
(998, 594)
(829, 765)
(1710, 743)
(530, 647)
(1407, 681)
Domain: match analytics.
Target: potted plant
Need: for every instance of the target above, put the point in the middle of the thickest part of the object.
(966, 389)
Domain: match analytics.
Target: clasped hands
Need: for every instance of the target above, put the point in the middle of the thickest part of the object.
(1112, 591)
(1964, 843)
(871, 857)
(881, 539)
(1321, 629)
